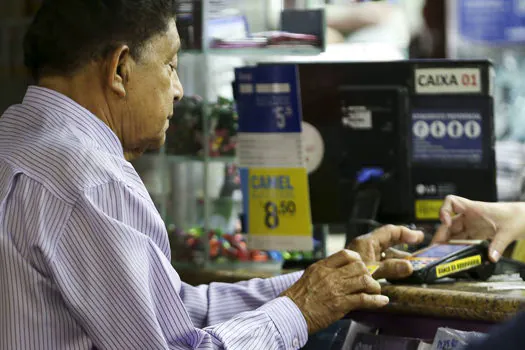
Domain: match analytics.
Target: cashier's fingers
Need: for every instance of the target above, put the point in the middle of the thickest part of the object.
(499, 244)
(455, 230)
(393, 269)
(452, 206)
(442, 234)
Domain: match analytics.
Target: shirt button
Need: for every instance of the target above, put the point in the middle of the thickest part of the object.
(295, 343)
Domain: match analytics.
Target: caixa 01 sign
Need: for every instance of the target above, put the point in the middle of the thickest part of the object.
(448, 81)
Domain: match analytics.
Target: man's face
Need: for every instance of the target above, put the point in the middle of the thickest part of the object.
(152, 90)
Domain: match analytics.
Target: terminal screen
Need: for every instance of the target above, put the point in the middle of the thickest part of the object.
(440, 250)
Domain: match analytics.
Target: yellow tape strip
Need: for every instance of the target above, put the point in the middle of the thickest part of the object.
(457, 266)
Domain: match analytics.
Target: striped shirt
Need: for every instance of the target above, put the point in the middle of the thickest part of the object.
(84, 254)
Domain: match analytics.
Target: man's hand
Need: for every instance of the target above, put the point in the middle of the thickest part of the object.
(375, 249)
(502, 223)
(332, 287)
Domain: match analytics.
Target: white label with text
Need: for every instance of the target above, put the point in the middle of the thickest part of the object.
(357, 117)
(448, 81)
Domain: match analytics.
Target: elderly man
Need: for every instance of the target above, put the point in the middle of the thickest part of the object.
(84, 255)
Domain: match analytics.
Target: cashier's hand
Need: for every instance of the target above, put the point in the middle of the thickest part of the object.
(462, 218)
(332, 287)
(376, 249)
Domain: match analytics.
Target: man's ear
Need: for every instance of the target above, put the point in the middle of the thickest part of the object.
(119, 70)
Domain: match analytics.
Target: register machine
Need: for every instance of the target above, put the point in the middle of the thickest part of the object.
(396, 138)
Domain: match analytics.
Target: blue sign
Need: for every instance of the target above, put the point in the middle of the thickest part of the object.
(447, 137)
(492, 21)
(267, 99)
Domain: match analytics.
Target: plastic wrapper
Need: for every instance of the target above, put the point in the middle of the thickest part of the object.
(452, 339)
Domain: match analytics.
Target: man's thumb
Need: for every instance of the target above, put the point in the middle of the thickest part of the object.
(394, 269)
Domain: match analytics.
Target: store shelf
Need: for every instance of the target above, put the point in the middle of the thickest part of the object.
(184, 159)
(258, 52)
(174, 159)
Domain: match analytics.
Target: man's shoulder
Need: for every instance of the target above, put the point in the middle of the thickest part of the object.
(55, 157)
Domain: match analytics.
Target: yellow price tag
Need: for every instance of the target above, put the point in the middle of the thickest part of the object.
(279, 203)
(428, 209)
(457, 266)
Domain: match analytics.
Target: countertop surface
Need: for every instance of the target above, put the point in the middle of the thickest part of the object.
(492, 301)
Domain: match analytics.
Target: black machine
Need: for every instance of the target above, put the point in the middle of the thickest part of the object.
(397, 137)
(466, 259)
(454, 259)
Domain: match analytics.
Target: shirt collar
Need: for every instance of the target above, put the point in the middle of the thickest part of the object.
(90, 128)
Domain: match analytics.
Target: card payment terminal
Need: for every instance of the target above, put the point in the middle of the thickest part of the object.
(453, 259)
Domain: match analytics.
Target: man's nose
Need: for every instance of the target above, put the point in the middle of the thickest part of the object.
(179, 90)
(179, 93)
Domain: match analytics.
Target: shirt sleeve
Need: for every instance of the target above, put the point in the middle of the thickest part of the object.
(242, 296)
(116, 279)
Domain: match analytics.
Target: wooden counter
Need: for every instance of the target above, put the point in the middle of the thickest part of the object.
(485, 302)
(462, 300)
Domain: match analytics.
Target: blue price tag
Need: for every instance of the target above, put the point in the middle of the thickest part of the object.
(268, 99)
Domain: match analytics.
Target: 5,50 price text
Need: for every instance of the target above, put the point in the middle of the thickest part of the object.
(282, 113)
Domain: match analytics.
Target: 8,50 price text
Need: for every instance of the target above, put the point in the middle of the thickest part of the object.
(275, 211)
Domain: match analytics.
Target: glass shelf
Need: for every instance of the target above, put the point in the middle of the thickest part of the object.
(174, 159)
(184, 159)
(258, 52)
